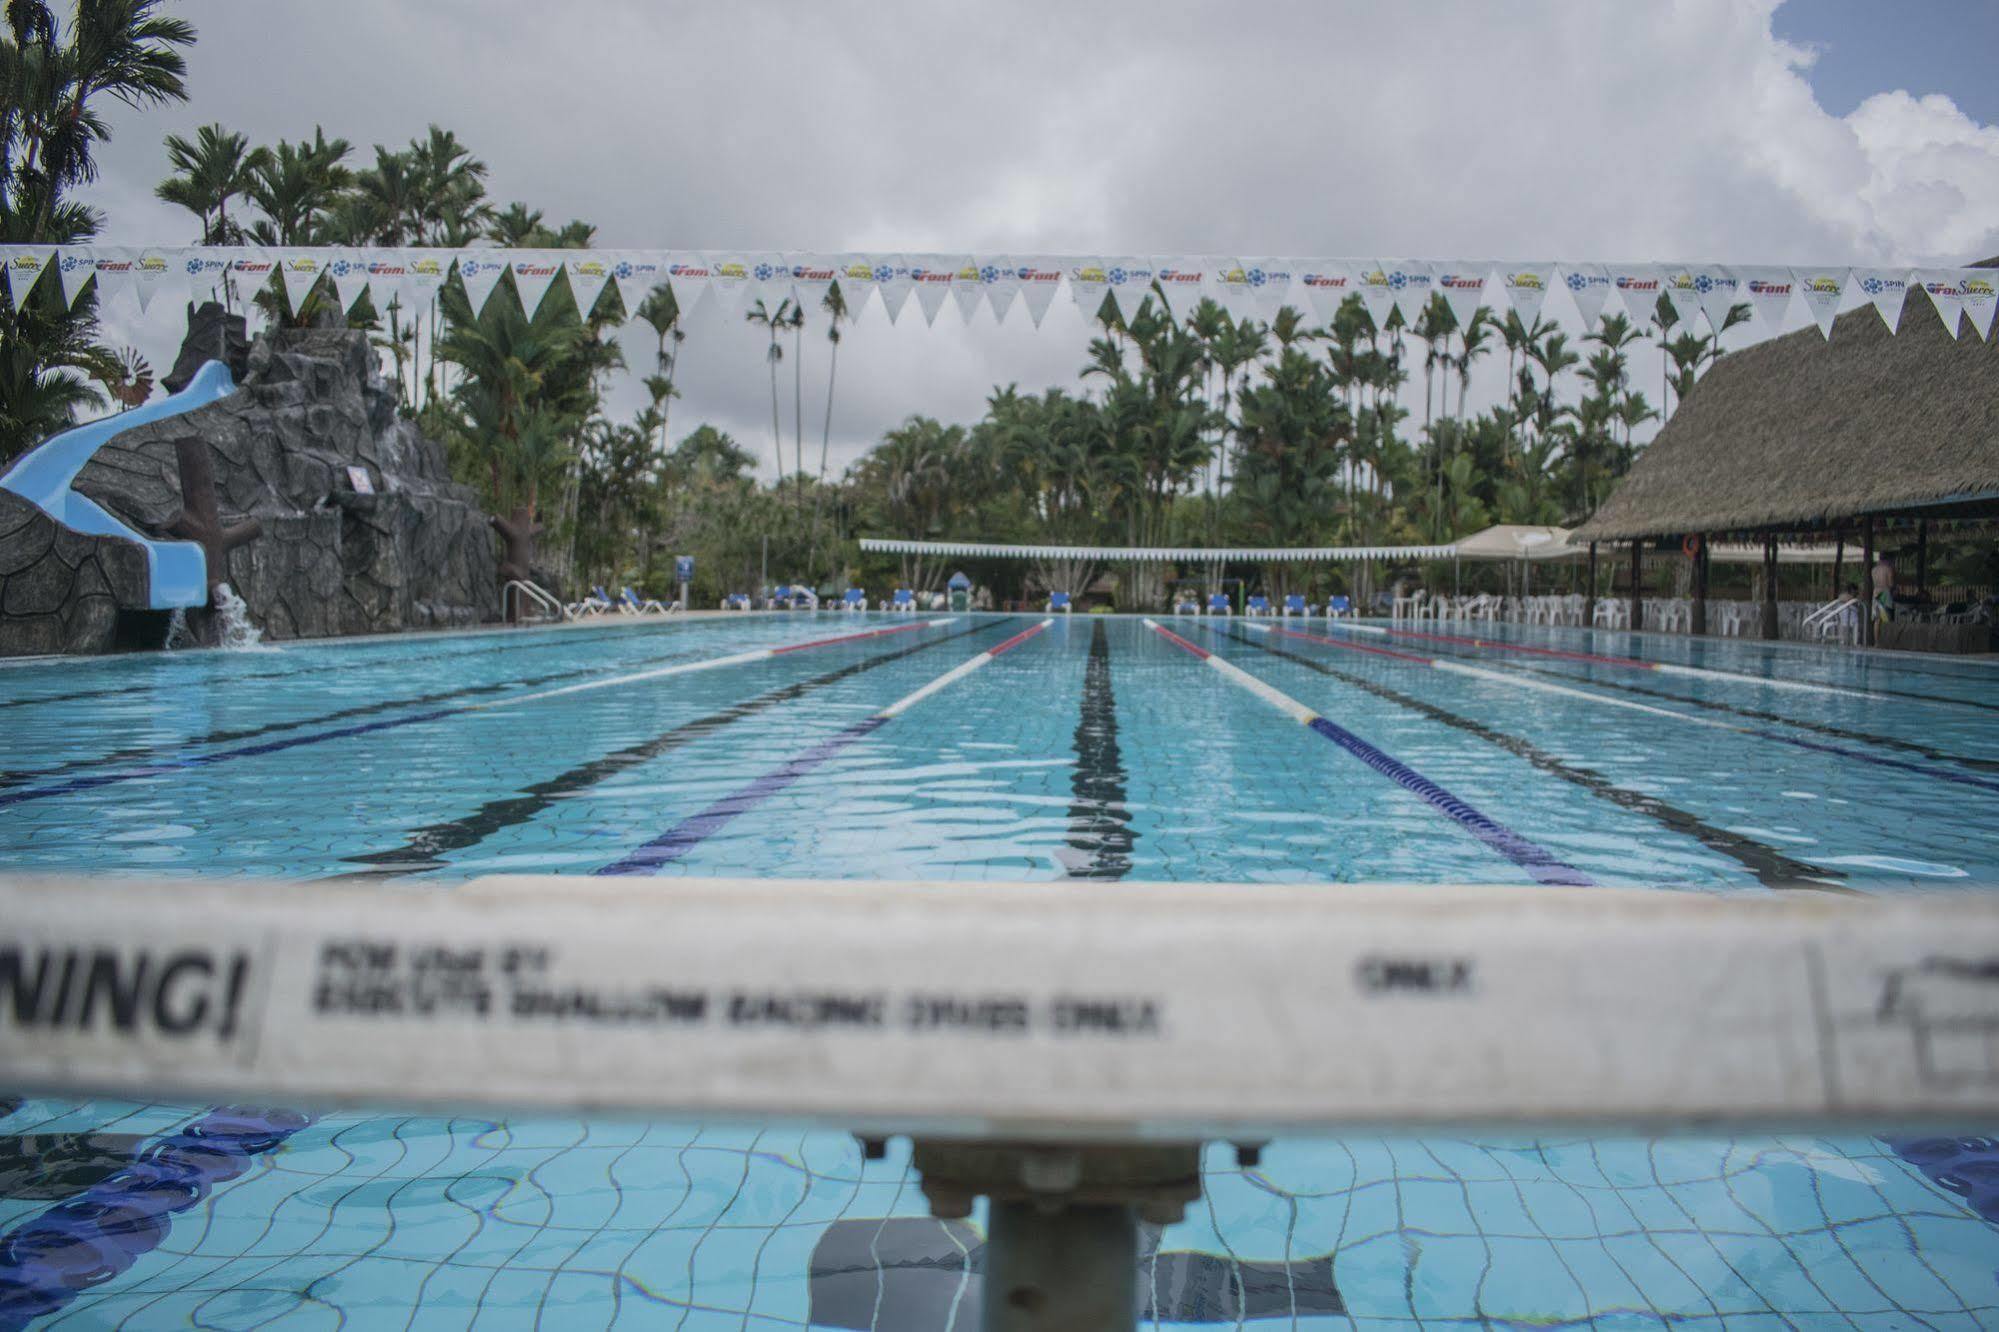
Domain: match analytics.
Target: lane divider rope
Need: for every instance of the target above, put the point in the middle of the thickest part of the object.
(697, 828)
(1537, 860)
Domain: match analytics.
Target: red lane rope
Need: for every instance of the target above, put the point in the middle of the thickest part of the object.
(1172, 637)
(849, 638)
(1017, 639)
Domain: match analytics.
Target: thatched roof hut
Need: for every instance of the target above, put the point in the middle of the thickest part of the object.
(1796, 434)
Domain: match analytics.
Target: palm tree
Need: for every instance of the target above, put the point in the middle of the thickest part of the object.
(516, 226)
(774, 321)
(834, 303)
(661, 312)
(217, 166)
(295, 185)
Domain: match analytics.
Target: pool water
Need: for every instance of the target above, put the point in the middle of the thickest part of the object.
(1097, 749)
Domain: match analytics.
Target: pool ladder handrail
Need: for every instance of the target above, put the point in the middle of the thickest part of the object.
(535, 593)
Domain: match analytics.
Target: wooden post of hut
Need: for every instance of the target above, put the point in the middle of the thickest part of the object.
(1589, 597)
(1838, 559)
(1638, 584)
(1699, 625)
(1867, 581)
(1770, 588)
(1922, 557)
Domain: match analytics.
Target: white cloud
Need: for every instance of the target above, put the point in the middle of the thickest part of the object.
(1550, 128)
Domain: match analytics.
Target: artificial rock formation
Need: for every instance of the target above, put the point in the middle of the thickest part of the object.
(61, 591)
(330, 558)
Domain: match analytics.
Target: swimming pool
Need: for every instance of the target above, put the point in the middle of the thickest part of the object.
(1097, 749)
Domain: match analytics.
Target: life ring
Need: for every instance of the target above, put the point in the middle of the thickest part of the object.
(1690, 545)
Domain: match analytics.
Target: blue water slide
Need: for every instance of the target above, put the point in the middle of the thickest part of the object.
(177, 570)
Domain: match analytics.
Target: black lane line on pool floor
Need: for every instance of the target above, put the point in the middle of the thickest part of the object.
(1099, 822)
(1771, 867)
(421, 850)
(1757, 714)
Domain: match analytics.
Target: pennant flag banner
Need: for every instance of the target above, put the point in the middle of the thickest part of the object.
(1130, 279)
(933, 275)
(687, 276)
(1184, 281)
(1411, 282)
(1038, 280)
(1977, 291)
(1769, 292)
(1589, 286)
(1270, 280)
(636, 273)
(301, 270)
(1376, 293)
(74, 269)
(1823, 289)
(1887, 288)
(857, 283)
(1000, 276)
(1256, 288)
(1719, 291)
(589, 273)
(479, 274)
(1089, 283)
(1946, 291)
(1525, 287)
(1326, 287)
(1462, 286)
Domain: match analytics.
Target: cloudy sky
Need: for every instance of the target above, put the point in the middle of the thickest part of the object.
(1725, 130)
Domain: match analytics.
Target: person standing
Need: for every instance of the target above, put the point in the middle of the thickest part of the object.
(1884, 590)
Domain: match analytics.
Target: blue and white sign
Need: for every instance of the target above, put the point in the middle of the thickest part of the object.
(683, 568)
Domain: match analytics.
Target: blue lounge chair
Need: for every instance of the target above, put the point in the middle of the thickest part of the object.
(1059, 601)
(736, 601)
(594, 604)
(902, 603)
(1186, 603)
(630, 603)
(1339, 606)
(1257, 605)
(1219, 604)
(854, 600)
(1294, 604)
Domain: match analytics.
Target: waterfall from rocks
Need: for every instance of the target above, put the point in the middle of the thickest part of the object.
(232, 619)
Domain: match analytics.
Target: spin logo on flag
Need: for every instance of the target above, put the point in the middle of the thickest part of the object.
(350, 279)
(1001, 279)
(74, 269)
(1410, 284)
(1589, 287)
(636, 275)
(893, 281)
(207, 268)
(1887, 288)
(479, 276)
(1270, 281)
(1130, 282)
(1717, 289)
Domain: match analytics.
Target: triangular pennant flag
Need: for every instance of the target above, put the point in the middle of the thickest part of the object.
(1887, 288)
(1525, 287)
(151, 268)
(251, 269)
(479, 271)
(1822, 289)
(1768, 289)
(1232, 290)
(1184, 280)
(1000, 276)
(301, 271)
(966, 287)
(1037, 287)
(1946, 294)
(117, 272)
(1325, 285)
(589, 272)
(690, 279)
(1678, 287)
(1719, 291)
(1089, 284)
(534, 273)
(1639, 287)
(1589, 287)
(729, 280)
(1376, 293)
(388, 275)
(811, 278)
(1270, 282)
(1411, 282)
(1128, 279)
(770, 282)
(932, 274)
(22, 266)
(1977, 288)
(427, 270)
(892, 279)
(636, 273)
(856, 276)
(349, 273)
(74, 269)
(1462, 285)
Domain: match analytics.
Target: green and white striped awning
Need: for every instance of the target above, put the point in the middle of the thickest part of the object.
(1157, 554)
